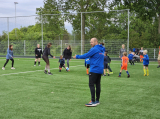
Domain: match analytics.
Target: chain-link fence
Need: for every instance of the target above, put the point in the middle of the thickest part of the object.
(27, 47)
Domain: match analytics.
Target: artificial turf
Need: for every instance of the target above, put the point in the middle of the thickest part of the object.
(28, 93)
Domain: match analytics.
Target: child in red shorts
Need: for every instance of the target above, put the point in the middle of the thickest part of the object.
(124, 64)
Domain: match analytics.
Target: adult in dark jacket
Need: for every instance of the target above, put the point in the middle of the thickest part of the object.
(38, 52)
(9, 56)
(67, 54)
(96, 69)
(46, 52)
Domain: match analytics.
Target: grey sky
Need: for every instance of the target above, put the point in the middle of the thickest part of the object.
(23, 8)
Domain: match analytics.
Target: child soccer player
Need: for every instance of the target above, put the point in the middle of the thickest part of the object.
(124, 64)
(62, 63)
(105, 64)
(130, 56)
(145, 63)
(87, 65)
(109, 61)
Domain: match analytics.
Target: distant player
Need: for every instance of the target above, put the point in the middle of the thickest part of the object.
(46, 52)
(124, 64)
(105, 64)
(145, 63)
(87, 65)
(38, 53)
(109, 61)
(9, 56)
(122, 50)
(141, 54)
(158, 58)
(62, 63)
(130, 56)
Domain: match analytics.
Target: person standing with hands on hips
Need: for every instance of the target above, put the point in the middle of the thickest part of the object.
(9, 56)
(96, 70)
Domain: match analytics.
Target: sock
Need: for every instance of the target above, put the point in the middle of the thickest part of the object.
(87, 71)
(119, 73)
(147, 72)
(34, 62)
(127, 72)
(38, 63)
(144, 71)
(48, 70)
(45, 68)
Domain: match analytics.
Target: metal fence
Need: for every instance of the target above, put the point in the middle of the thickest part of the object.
(27, 47)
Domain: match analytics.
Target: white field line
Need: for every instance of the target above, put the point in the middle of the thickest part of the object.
(32, 71)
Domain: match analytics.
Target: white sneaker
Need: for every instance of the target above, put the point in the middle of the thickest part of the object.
(39, 65)
(3, 68)
(34, 65)
(12, 68)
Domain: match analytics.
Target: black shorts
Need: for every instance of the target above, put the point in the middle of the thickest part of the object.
(38, 56)
(145, 65)
(88, 65)
(105, 66)
(61, 65)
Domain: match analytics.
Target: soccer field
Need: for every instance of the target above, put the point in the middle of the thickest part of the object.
(28, 93)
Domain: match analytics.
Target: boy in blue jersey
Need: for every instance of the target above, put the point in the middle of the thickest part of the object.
(96, 70)
(87, 64)
(145, 63)
(130, 56)
(62, 63)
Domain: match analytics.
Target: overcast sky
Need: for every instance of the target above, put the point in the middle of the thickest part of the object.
(23, 8)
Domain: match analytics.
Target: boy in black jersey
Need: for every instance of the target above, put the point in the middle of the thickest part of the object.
(62, 63)
(105, 64)
(38, 52)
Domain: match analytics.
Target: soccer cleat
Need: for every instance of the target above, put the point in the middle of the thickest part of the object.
(104, 75)
(97, 102)
(59, 70)
(119, 76)
(34, 65)
(3, 68)
(49, 73)
(128, 76)
(110, 72)
(12, 68)
(145, 75)
(45, 71)
(158, 66)
(91, 104)
(66, 70)
(39, 65)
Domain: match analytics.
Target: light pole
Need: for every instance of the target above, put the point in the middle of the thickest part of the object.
(15, 17)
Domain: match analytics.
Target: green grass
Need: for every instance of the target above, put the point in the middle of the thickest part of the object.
(35, 95)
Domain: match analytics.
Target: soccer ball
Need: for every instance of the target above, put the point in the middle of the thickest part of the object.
(67, 68)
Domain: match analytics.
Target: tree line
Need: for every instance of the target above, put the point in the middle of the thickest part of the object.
(144, 28)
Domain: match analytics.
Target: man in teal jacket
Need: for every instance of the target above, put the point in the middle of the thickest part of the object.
(96, 69)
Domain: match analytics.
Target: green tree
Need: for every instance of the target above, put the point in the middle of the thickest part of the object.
(145, 9)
